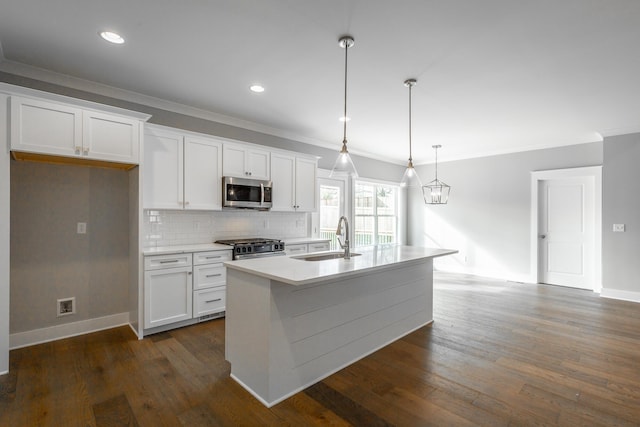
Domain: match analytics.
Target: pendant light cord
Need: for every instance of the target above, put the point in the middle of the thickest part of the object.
(410, 155)
(436, 162)
(346, 50)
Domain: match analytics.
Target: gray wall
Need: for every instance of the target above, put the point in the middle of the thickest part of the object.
(488, 217)
(621, 205)
(4, 237)
(49, 260)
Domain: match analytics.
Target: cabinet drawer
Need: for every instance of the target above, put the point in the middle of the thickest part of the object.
(209, 301)
(211, 257)
(158, 262)
(318, 247)
(296, 249)
(208, 275)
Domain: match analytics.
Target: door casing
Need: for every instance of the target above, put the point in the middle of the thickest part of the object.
(537, 177)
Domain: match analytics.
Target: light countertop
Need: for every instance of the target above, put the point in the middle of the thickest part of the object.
(288, 269)
(179, 249)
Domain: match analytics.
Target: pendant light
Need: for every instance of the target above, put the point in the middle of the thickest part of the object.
(436, 192)
(410, 177)
(344, 165)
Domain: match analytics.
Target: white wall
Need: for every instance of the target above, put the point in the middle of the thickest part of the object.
(4, 237)
(488, 216)
(621, 205)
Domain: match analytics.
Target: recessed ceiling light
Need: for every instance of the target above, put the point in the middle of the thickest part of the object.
(257, 88)
(112, 37)
(345, 119)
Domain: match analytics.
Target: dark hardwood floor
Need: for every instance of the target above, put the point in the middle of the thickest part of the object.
(498, 354)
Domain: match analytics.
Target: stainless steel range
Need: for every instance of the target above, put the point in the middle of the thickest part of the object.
(255, 247)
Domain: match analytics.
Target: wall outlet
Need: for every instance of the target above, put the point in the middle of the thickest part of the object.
(82, 228)
(618, 228)
(66, 306)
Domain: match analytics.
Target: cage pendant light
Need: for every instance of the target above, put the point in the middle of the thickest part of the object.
(410, 177)
(436, 192)
(344, 165)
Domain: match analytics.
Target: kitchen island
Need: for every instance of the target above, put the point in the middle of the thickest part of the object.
(291, 322)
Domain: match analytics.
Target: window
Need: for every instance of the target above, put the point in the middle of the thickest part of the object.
(331, 207)
(376, 213)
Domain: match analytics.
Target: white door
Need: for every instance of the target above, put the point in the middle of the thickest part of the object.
(331, 201)
(567, 232)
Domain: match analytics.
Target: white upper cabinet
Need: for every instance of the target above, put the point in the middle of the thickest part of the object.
(294, 183)
(306, 184)
(181, 171)
(162, 170)
(246, 162)
(283, 176)
(202, 174)
(112, 138)
(44, 127)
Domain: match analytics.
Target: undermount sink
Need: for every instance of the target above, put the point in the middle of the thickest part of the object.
(322, 256)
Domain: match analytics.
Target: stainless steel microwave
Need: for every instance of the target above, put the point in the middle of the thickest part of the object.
(246, 193)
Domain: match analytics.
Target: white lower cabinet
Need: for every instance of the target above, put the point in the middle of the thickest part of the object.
(168, 296)
(209, 282)
(184, 286)
(209, 301)
(303, 248)
(318, 247)
(297, 249)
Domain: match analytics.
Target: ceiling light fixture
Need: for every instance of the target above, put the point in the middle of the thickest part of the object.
(344, 165)
(112, 37)
(436, 192)
(257, 88)
(410, 177)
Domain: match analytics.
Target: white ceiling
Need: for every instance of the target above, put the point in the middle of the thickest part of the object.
(494, 76)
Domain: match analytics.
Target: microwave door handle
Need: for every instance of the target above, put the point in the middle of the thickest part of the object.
(261, 194)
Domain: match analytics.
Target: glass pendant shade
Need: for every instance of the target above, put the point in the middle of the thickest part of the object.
(344, 165)
(410, 177)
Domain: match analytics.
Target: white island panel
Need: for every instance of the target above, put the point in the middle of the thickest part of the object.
(282, 338)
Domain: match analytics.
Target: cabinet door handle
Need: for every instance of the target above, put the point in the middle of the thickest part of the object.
(85, 151)
(78, 149)
(214, 275)
(213, 257)
(169, 261)
(213, 300)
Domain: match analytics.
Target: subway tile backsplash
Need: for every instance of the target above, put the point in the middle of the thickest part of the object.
(168, 228)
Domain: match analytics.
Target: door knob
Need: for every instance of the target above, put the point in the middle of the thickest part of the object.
(543, 236)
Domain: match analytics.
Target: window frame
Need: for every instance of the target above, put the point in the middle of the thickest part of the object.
(400, 210)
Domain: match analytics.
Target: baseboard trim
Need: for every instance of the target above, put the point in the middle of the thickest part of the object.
(632, 296)
(490, 274)
(53, 333)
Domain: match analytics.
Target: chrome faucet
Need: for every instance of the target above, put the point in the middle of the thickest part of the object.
(345, 246)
